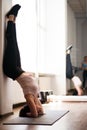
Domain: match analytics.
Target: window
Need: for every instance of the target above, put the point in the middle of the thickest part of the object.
(41, 35)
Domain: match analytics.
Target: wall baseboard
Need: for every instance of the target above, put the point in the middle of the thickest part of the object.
(18, 104)
(14, 106)
(7, 114)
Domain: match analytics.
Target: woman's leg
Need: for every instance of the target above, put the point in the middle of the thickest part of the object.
(12, 68)
(11, 60)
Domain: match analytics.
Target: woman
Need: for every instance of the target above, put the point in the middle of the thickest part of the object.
(12, 66)
(84, 68)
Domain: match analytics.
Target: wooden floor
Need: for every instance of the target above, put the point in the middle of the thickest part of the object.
(76, 119)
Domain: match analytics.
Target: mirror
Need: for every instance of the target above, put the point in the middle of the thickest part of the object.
(77, 36)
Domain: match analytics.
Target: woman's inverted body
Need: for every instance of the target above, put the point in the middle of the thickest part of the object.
(12, 66)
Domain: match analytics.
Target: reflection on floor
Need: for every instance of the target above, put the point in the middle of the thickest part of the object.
(74, 92)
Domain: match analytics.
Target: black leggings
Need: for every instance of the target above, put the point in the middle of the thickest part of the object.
(69, 69)
(11, 60)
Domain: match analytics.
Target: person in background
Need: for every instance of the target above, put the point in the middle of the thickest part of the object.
(12, 66)
(69, 73)
(84, 68)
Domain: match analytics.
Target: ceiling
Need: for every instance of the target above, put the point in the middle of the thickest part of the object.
(78, 6)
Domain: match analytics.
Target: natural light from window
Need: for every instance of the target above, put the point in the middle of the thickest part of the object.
(41, 30)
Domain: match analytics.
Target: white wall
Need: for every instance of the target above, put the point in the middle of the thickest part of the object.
(84, 38)
(79, 44)
(71, 33)
(5, 87)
